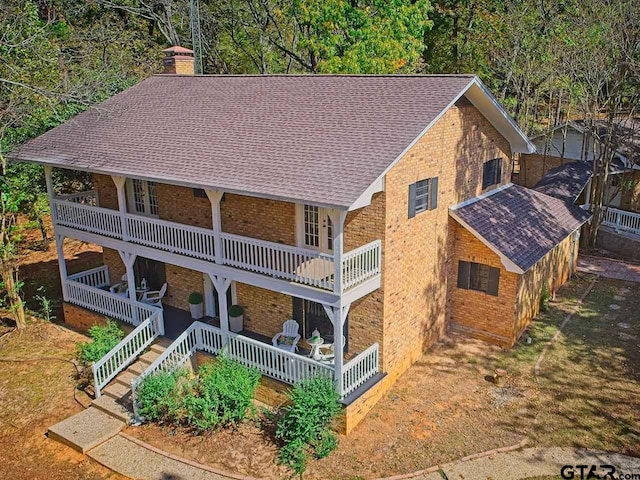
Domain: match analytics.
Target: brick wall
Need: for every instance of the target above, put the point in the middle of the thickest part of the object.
(554, 270)
(631, 197)
(181, 282)
(107, 191)
(417, 264)
(111, 258)
(534, 167)
(81, 318)
(178, 204)
(482, 315)
(264, 310)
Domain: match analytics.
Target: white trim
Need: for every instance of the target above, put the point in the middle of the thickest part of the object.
(506, 262)
(480, 197)
(365, 199)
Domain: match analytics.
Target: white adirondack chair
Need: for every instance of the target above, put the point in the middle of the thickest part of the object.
(154, 297)
(288, 338)
(121, 288)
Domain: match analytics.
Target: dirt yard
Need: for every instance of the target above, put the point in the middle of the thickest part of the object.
(443, 408)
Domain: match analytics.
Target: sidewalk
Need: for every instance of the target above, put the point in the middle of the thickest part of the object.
(609, 268)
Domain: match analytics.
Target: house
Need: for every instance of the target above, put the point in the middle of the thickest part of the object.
(373, 208)
(562, 167)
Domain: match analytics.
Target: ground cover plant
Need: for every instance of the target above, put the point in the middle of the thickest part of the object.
(103, 339)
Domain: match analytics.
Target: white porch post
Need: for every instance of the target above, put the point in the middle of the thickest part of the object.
(215, 196)
(122, 203)
(337, 218)
(129, 259)
(338, 316)
(62, 265)
(221, 285)
(49, 181)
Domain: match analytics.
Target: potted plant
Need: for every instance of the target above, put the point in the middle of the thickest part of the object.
(236, 318)
(195, 305)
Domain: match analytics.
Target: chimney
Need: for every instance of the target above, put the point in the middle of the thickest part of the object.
(178, 61)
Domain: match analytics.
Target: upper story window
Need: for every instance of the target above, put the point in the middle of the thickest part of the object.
(316, 228)
(143, 198)
(478, 276)
(423, 195)
(491, 172)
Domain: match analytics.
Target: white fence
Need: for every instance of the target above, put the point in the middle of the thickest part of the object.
(360, 369)
(90, 197)
(361, 264)
(125, 352)
(622, 220)
(300, 265)
(96, 277)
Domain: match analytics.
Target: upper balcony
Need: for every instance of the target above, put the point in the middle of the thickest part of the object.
(294, 264)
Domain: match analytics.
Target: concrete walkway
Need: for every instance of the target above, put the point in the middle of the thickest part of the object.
(528, 463)
(609, 268)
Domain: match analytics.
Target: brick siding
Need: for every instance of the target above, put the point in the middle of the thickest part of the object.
(107, 191)
(533, 167)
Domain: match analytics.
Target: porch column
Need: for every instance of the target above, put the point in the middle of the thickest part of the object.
(48, 171)
(122, 203)
(337, 219)
(338, 316)
(221, 285)
(62, 265)
(129, 259)
(215, 196)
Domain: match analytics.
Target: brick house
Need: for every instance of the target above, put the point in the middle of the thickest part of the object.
(373, 208)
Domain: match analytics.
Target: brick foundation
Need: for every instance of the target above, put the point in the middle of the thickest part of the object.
(80, 318)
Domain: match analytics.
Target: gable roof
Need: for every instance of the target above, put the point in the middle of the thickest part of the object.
(565, 182)
(519, 224)
(318, 139)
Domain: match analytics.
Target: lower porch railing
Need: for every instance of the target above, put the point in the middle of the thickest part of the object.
(360, 369)
(622, 220)
(127, 351)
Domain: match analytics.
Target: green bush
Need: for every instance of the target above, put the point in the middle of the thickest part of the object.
(221, 395)
(545, 296)
(195, 298)
(236, 311)
(103, 339)
(233, 385)
(305, 424)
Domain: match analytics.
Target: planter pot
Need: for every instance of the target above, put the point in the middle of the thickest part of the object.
(197, 311)
(236, 323)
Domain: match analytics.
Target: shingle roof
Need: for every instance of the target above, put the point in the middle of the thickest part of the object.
(565, 182)
(318, 139)
(520, 223)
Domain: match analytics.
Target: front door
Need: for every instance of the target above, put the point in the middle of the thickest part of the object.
(317, 229)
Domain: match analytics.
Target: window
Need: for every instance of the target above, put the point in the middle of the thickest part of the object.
(311, 226)
(423, 195)
(199, 193)
(477, 276)
(143, 197)
(491, 172)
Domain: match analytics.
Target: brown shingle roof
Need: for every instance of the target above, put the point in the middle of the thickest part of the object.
(520, 223)
(318, 139)
(565, 182)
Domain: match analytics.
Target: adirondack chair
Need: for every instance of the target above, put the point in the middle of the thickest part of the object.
(288, 338)
(154, 297)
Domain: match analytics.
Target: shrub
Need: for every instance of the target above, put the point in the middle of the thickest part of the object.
(158, 397)
(235, 311)
(103, 339)
(545, 296)
(305, 424)
(233, 385)
(195, 298)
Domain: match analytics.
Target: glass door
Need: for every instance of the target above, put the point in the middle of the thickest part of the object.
(317, 229)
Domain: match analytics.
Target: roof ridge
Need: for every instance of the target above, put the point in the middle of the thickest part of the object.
(321, 75)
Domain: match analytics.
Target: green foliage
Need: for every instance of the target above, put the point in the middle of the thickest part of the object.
(103, 339)
(236, 311)
(195, 298)
(46, 305)
(305, 424)
(545, 296)
(220, 396)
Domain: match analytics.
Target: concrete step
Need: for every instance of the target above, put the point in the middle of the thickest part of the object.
(126, 377)
(157, 348)
(137, 368)
(119, 409)
(117, 391)
(149, 357)
(86, 429)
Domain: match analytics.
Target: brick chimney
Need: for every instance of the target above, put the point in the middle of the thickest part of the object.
(178, 61)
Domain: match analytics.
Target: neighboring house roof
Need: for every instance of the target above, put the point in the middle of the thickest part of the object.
(519, 224)
(565, 182)
(318, 139)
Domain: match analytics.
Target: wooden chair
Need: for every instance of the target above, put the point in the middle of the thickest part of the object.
(154, 297)
(288, 338)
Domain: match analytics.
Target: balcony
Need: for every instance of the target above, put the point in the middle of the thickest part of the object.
(293, 264)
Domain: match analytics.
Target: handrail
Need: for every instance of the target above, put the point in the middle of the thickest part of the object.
(361, 264)
(88, 197)
(360, 369)
(95, 277)
(126, 351)
(622, 220)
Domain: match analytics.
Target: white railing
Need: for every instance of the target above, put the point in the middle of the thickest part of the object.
(361, 264)
(622, 220)
(360, 369)
(96, 277)
(281, 261)
(294, 264)
(172, 237)
(89, 197)
(125, 352)
(87, 218)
